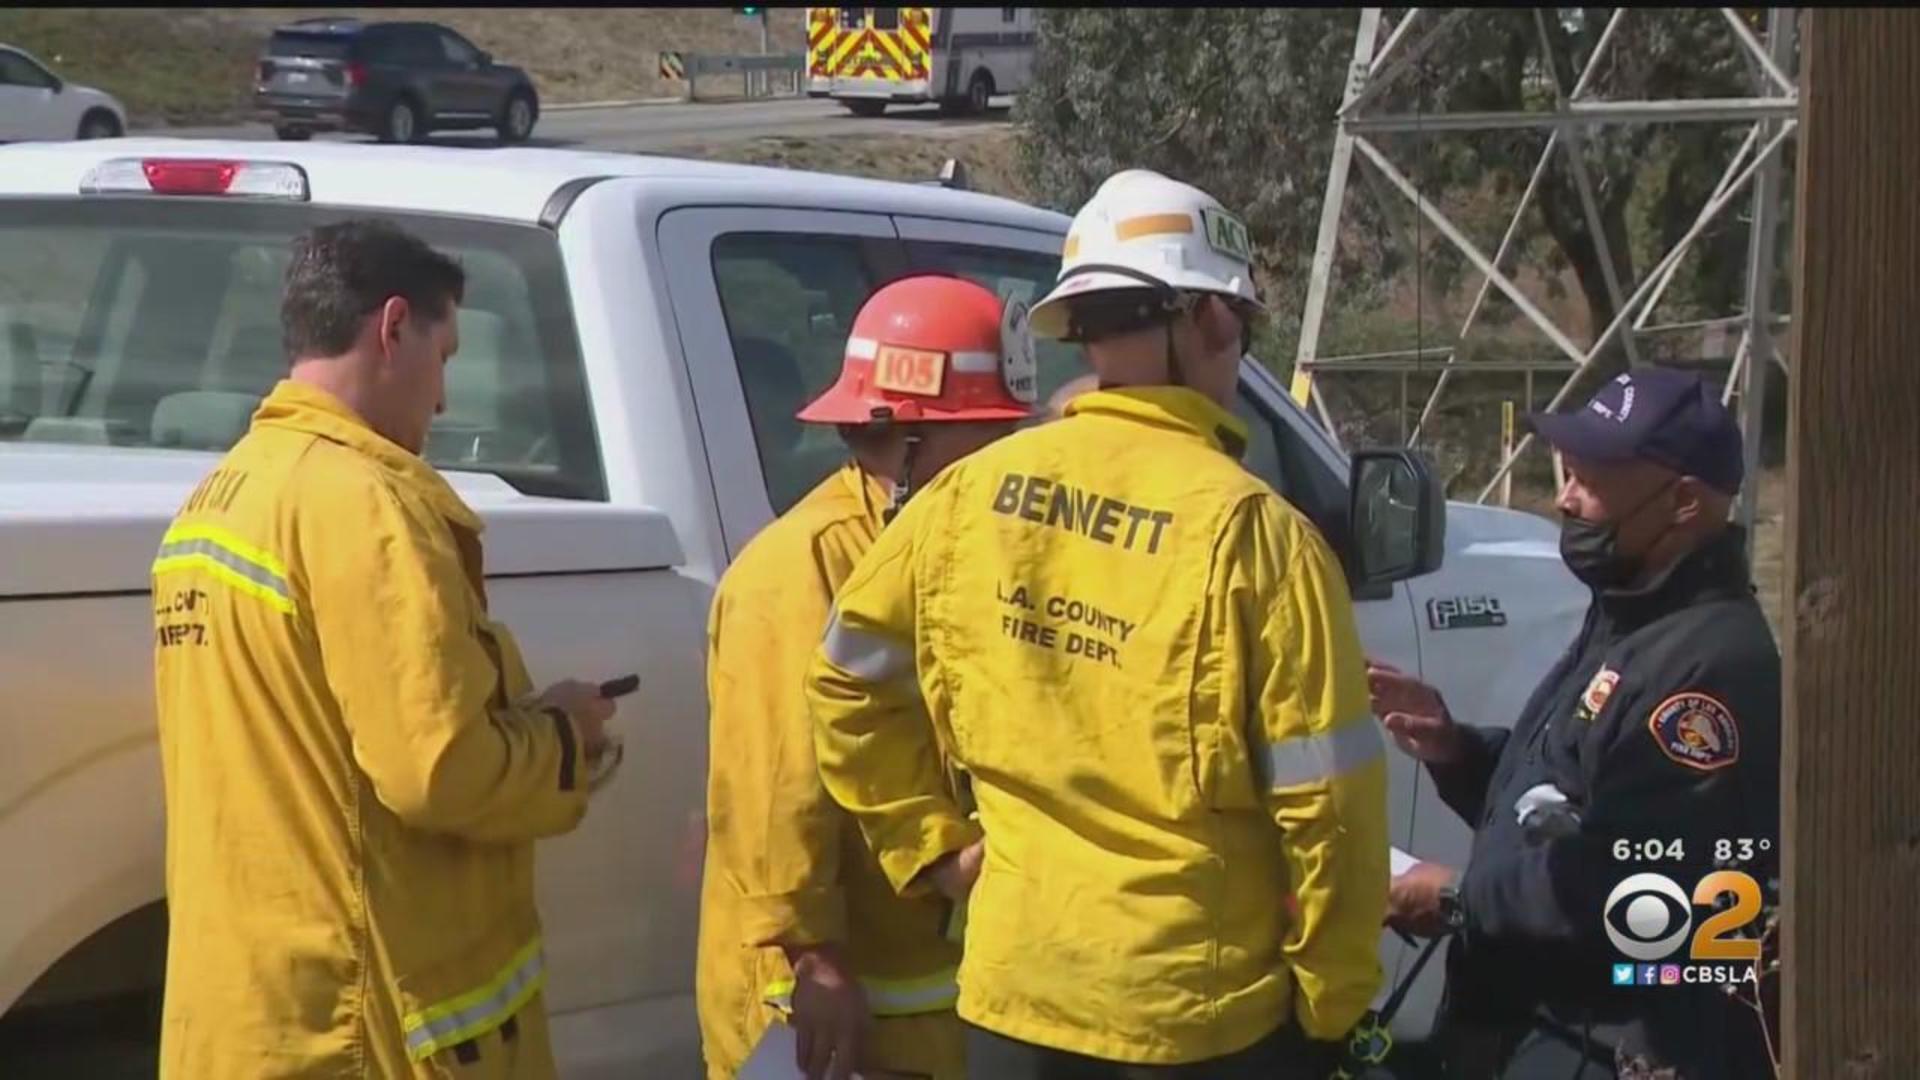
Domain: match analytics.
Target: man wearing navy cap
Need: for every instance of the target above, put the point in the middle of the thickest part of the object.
(1660, 727)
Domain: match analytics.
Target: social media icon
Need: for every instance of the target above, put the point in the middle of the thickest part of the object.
(1623, 974)
(1670, 975)
(1649, 975)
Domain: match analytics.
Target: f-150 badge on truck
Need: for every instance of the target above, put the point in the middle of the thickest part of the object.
(1465, 612)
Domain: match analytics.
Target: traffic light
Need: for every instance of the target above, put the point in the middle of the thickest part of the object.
(748, 11)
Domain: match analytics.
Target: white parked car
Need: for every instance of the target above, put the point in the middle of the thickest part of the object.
(36, 104)
(636, 336)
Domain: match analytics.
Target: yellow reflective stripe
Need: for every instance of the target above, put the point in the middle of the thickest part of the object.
(1306, 759)
(229, 540)
(888, 997)
(227, 557)
(1152, 225)
(476, 1012)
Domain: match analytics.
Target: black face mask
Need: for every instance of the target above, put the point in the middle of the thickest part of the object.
(1591, 549)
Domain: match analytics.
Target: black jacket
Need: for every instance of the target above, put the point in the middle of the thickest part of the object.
(1660, 723)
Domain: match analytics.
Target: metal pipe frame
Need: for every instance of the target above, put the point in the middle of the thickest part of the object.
(1733, 168)
(1690, 111)
(1320, 275)
(1391, 354)
(1738, 370)
(1583, 183)
(1399, 34)
(1466, 247)
(1382, 75)
(1520, 212)
(1373, 74)
(1486, 283)
(1768, 63)
(1707, 214)
(1702, 324)
(1416, 367)
(1599, 50)
(1762, 250)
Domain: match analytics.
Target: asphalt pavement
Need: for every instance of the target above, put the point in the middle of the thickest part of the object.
(655, 127)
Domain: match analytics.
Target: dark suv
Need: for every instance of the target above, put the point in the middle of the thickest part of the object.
(397, 80)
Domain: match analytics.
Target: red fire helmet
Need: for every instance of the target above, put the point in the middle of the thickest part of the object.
(932, 348)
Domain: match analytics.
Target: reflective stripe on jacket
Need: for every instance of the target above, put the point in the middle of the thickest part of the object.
(1147, 664)
(784, 864)
(354, 774)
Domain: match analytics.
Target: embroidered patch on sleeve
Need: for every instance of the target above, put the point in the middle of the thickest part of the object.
(1696, 730)
(1597, 693)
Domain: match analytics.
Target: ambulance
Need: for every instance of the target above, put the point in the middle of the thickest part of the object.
(959, 57)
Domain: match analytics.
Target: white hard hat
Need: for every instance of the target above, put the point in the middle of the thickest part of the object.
(1141, 229)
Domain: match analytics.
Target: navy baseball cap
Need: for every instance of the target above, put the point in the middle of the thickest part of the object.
(1663, 415)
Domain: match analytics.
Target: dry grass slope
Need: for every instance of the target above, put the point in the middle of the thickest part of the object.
(989, 156)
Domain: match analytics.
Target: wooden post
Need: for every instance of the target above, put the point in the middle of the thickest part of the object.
(1851, 784)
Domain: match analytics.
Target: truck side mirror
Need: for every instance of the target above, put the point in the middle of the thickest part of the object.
(1398, 517)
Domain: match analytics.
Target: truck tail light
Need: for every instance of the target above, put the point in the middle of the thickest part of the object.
(212, 177)
(266, 70)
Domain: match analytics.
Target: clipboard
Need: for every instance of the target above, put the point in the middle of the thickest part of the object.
(1399, 862)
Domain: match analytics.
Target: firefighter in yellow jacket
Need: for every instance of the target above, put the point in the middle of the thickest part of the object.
(796, 919)
(356, 766)
(1146, 663)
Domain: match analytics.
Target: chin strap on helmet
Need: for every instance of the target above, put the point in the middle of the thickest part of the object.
(1171, 302)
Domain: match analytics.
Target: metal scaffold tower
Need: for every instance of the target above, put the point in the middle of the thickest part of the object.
(1420, 36)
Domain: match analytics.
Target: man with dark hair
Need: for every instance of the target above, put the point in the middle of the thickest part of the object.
(356, 764)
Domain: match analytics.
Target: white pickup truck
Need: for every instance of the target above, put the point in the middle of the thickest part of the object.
(636, 336)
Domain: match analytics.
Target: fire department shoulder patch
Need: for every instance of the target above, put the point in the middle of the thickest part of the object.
(1696, 730)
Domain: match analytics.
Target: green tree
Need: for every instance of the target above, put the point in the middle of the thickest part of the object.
(1241, 102)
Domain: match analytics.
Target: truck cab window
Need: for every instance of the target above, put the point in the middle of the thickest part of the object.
(789, 301)
(159, 326)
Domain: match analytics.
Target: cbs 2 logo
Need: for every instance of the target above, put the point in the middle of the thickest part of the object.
(1648, 915)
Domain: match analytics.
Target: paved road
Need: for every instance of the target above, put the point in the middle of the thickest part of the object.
(661, 127)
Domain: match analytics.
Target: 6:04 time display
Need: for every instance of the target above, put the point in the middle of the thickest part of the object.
(1648, 850)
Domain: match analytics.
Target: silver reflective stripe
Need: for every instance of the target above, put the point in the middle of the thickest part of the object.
(865, 656)
(253, 572)
(479, 1016)
(976, 363)
(1307, 758)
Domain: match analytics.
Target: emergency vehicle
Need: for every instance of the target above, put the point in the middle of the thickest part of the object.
(960, 57)
(636, 337)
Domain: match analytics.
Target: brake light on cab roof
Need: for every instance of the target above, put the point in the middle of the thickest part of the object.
(210, 177)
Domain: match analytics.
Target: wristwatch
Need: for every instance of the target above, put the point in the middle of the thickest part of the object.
(1451, 909)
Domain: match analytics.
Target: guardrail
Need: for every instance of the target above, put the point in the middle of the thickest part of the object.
(755, 72)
